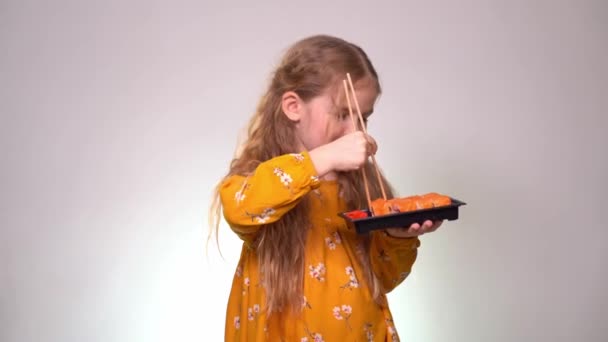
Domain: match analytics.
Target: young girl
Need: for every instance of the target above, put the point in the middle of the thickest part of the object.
(303, 275)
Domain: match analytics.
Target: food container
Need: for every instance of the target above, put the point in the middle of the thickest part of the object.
(364, 225)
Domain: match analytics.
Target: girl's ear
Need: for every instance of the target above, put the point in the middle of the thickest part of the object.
(292, 106)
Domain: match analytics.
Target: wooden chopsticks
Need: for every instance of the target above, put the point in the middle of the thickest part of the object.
(350, 109)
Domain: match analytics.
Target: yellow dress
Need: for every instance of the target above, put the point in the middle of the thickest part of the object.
(337, 303)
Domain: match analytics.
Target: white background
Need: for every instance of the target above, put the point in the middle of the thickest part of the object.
(118, 118)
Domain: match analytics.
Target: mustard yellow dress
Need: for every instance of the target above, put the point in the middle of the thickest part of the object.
(337, 304)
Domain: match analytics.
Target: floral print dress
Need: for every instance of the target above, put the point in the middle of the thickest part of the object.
(337, 304)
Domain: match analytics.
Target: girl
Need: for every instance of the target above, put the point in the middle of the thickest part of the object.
(303, 275)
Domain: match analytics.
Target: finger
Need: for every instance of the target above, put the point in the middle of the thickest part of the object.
(436, 225)
(373, 146)
(424, 228)
(414, 229)
(399, 232)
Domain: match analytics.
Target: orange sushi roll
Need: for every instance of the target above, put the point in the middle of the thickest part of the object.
(403, 204)
(438, 200)
(381, 207)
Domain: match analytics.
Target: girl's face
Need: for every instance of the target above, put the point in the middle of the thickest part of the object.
(326, 118)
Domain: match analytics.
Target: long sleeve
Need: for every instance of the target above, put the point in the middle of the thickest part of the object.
(392, 258)
(275, 187)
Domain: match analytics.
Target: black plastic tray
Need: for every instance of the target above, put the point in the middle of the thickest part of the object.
(365, 225)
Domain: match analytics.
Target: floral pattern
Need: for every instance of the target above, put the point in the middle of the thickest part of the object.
(314, 337)
(305, 303)
(317, 272)
(332, 259)
(369, 334)
(392, 333)
(284, 176)
(352, 283)
(262, 217)
(239, 196)
(299, 157)
(333, 240)
(343, 313)
(252, 312)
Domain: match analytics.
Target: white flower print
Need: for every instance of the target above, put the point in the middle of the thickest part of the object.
(237, 322)
(305, 303)
(391, 330)
(333, 240)
(263, 217)
(337, 313)
(253, 311)
(246, 283)
(317, 272)
(318, 337)
(239, 271)
(347, 310)
(337, 238)
(284, 176)
(286, 179)
(343, 313)
(239, 196)
(352, 283)
(368, 332)
(330, 244)
(298, 156)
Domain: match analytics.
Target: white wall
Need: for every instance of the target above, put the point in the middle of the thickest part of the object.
(112, 113)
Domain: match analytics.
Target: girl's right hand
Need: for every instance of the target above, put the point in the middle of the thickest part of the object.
(352, 150)
(346, 153)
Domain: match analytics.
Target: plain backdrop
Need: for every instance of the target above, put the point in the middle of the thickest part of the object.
(119, 117)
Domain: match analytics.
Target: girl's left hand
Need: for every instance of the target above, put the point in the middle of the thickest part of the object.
(415, 229)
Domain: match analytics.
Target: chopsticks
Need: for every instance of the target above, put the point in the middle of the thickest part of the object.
(363, 128)
(352, 118)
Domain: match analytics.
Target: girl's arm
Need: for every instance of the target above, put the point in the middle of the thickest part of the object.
(275, 187)
(392, 258)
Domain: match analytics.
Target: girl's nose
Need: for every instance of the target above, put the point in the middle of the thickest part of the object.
(348, 127)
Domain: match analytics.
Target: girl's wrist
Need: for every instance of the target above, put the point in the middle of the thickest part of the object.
(322, 160)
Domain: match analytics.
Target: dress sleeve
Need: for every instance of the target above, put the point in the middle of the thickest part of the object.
(392, 258)
(275, 187)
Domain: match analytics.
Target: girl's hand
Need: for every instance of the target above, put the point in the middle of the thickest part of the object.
(346, 153)
(414, 230)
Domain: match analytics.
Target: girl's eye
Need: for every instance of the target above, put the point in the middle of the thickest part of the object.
(346, 116)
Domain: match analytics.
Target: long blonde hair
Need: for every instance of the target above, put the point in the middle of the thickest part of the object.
(309, 67)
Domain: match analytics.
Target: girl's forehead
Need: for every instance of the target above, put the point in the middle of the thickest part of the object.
(365, 91)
